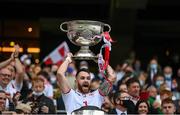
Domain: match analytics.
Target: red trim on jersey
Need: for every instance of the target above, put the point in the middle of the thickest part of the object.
(67, 92)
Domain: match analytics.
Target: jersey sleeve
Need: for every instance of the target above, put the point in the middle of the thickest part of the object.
(68, 99)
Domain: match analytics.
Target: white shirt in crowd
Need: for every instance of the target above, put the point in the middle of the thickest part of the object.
(11, 89)
(119, 112)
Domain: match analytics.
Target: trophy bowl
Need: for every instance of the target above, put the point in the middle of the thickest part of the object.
(84, 33)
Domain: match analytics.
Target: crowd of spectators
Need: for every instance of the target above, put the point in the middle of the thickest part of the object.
(33, 88)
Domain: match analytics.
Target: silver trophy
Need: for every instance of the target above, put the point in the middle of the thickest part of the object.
(84, 33)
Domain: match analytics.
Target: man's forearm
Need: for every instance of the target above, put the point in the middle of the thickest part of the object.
(62, 69)
(18, 66)
(5, 63)
(62, 81)
(111, 74)
(106, 85)
(20, 71)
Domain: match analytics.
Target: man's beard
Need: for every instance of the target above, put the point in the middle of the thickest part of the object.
(84, 88)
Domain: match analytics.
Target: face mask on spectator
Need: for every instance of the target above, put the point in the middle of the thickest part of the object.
(37, 93)
(27, 62)
(167, 76)
(158, 83)
(70, 69)
(153, 66)
(142, 82)
(127, 103)
(53, 80)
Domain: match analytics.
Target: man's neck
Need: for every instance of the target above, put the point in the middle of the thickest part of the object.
(135, 99)
(82, 92)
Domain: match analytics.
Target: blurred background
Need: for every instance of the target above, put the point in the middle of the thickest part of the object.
(141, 29)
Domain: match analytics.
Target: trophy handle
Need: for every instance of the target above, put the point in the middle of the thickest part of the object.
(62, 27)
(108, 27)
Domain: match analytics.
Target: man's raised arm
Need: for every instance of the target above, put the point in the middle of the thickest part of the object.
(111, 74)
(62, 81)
(106, 85)
(7, 62)
(18, 65)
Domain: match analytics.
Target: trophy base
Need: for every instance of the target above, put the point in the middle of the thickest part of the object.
(85, 54)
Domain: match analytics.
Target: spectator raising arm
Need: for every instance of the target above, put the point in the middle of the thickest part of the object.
(19, 67)
(7, 62)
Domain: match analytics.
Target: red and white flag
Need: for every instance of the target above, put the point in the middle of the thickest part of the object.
(57, 55)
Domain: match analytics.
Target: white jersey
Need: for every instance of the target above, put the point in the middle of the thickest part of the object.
(74, 100)
(12, 88)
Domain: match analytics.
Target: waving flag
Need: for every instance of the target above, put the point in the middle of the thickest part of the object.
(57, 55)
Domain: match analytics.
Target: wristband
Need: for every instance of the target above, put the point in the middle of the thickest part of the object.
(68, 59)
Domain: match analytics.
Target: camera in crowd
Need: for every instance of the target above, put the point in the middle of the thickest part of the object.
(36, 107)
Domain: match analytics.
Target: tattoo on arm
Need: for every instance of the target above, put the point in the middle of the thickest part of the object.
(105, 87)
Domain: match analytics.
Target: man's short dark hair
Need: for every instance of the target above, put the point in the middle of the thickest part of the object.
(117, 94)
(132, 80)
(167, 100)
(44, 74)
(84, 70)
(37, 79)
(96, 79)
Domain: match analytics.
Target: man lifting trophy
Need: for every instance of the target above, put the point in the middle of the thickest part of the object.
(83, 100)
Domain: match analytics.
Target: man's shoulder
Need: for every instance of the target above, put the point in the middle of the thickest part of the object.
(10, 83)
(11, 86)
(94, 91)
